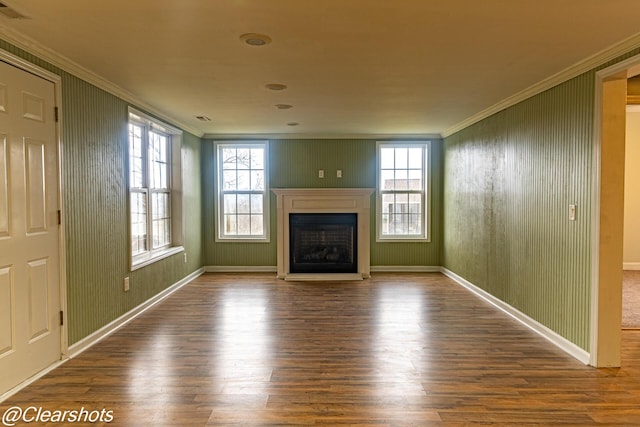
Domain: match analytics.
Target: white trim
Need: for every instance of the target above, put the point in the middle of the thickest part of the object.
(157, 256)
(376, 136)
(62, 270)
(631, 67)
(553, 337)
(405, 269)
(118, 323)
(425, 192)
(240, 269)
(631, 266)
(58, 60)
(323, 277)
(595, 221)
(580, 67)
(31, 379)
(220, 236)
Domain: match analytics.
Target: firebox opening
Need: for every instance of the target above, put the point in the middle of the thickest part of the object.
(323, 242)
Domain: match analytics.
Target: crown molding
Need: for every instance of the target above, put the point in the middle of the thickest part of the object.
(575, 70)
(376, 136)
(56, 59)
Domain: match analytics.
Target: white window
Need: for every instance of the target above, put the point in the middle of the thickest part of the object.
(403, 196)
(243, 198)
(155, 203)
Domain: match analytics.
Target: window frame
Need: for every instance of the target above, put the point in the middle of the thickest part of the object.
(220, 235)
(174, 190)
(425, 192)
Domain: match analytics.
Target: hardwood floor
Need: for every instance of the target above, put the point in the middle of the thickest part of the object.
(396, 350)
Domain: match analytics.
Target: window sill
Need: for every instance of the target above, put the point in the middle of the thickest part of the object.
(242, 240)
(403, 239)
(155, 257)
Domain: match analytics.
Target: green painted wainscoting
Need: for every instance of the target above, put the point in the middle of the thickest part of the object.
(94, 143)
(508, 184)
(294, 163)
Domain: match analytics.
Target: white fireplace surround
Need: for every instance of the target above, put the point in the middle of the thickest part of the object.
(323, 200)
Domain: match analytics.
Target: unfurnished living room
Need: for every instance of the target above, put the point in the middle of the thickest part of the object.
(279, 212)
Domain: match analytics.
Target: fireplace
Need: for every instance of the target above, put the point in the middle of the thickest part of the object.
(323, 242)
(315, 204)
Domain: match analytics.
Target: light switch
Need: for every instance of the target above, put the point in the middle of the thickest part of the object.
(321, 173)
(572, 212)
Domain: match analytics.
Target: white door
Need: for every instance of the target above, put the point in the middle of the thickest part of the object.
(29, 260)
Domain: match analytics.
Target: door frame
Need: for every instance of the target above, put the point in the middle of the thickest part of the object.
(31, 68)
(607, 226)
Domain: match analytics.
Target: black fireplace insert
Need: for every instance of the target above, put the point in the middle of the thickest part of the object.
(323, 242)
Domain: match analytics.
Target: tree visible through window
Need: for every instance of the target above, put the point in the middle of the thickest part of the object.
(151, 187)
(242, 188)
(402, 190)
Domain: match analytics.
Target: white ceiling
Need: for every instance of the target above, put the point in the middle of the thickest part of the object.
(352, 67)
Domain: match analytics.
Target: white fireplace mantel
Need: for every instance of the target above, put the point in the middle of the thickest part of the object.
(324, 200)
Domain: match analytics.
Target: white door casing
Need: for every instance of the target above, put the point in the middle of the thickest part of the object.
(30, 331)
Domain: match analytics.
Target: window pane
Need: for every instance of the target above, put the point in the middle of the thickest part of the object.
(401, 182)
(386, 158)
(415, 203)
(244, 179)
(159, 156)
(244, 158)
(257, 158)
(229, 158)
(256, 203)
(230, 204)
(244, 225)
(415, 224)
(230, 224)
(244, 204)
(415, 179)
(415, 158)
(161, 219)
(138, 223)
(136, 161)
(402, 157)
(257, 180)
(257, 225)
(230, 180)
(387, 179)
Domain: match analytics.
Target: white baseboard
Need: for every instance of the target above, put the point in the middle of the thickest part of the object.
(240, 269)
(31, 380)
(553, 337)
(405, 269)
(631, 266)
(110, 328)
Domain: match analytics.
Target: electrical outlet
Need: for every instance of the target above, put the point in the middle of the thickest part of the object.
(321, 173)
(126, 284)
(339, 173)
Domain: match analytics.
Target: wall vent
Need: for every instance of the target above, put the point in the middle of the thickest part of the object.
(9, 12)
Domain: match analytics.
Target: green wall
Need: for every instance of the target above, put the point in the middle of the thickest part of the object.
(294, 163)
(508, 183)
(94, 142)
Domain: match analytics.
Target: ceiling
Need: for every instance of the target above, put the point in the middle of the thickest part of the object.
(351, 67)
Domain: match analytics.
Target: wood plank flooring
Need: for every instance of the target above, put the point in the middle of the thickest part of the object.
(394, 350)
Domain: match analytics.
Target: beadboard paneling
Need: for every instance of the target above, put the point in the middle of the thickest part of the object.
(509, 181)
(94, 181)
